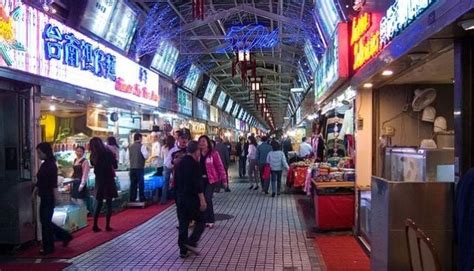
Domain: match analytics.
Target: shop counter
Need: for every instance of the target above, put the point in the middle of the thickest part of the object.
(333, 205)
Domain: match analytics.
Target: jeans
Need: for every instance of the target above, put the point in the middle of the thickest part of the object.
(187, 211)
(276, 181)
(208, 194)
(253, 172)
(242, 162)
(137, 176)
(166, 184)
(265, 184)
(48, 229)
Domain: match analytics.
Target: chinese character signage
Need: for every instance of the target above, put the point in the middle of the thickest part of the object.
(334, 64)
(201, 109)
(370, 33)
(37, 44)
(185, 102)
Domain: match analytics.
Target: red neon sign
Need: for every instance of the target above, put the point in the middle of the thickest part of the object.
(365, 43)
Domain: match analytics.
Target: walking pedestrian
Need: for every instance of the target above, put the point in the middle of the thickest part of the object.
(80, 175)
(169, 144)
(177, 152)
(253, 165)
(138, 156)
(242, 150)
(190, 200)
(277, 161)
(224, 154)
(213, 172)
(113, 146)
(47, 182)
(104, 164)
(262, 152)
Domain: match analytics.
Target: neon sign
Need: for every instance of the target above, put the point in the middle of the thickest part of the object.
(399, 16)
(365, 43)
(77, 52)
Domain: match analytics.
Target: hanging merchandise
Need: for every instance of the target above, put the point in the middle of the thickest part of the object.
(246, 62)
(423, 98)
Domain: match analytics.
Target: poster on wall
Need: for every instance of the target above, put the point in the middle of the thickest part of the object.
(201, 109)
(45, 47)
(168, 95)
(185, 102)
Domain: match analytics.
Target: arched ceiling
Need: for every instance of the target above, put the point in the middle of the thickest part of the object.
(204, 42)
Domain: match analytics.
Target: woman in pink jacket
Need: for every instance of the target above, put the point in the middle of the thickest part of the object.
(213, 172)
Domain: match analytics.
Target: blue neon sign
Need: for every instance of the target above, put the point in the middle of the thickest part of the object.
(78, 53)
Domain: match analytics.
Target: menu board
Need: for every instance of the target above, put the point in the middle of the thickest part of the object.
(111, 20)
(230, 103)
(236, 110)
(168, 96)
(210, 91)
(201, 109)
(192, 78)
(214, 114)
(221, 99)
(185, 102)
(165, 58)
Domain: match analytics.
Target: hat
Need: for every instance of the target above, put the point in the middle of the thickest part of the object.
(429, 114)
(183, 133)
(440, 125)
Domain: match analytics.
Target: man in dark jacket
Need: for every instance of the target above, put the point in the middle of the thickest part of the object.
(242, 150)
(262, 153)
(464, 221)
(190, 201)
(224, 154)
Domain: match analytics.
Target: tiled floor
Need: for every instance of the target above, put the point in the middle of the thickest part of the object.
(264, 233)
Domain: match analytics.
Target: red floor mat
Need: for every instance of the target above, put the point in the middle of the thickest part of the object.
(342, 252)
(33, 266)
(85, 239)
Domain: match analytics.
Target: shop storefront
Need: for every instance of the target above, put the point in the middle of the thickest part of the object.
(75, 98)
(410, 70)
(213, 123)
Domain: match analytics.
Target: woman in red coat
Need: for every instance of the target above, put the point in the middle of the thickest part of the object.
(104, 163)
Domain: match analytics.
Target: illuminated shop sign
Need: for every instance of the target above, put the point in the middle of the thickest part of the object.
(365, 41)
(334, 65)
(52, 50)
(370, 34)
(399, 16)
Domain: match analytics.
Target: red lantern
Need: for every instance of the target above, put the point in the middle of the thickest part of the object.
(198, 9)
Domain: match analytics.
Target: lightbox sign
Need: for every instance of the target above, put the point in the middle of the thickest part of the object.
(370, 33)
(45, 47)
(334, 65)
(229, 105)
(327, 11)
(185, 102)
(365, 39)
(192, 77)
(214, 114)
(221, 99)
(210, 91)
(399, 16)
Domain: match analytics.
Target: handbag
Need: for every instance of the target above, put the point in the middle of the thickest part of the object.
(266, 173)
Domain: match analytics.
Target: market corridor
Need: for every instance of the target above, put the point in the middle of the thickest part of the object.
(253, 232)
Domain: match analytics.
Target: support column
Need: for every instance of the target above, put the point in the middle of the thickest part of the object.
(463, 106)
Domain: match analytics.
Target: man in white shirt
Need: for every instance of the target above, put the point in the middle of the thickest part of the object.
(156, 154)
(138, 156)
(305, 149)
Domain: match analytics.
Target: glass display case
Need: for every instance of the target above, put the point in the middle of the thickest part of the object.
(364, 214)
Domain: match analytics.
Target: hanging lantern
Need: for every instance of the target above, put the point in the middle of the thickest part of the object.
(245, 61)
(198, 9)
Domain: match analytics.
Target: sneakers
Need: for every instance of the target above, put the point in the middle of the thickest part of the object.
(193, 249)
(210, 225)
(184, 255)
